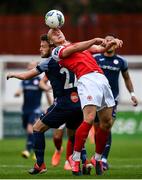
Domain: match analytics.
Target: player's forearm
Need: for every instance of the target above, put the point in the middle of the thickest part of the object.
(87, 44)
(128, 82)
(129, 85)
(23, 76)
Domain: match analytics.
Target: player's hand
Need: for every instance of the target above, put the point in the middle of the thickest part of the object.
(118, 43)
(10, 75)
(134, 101)
(100, 41)
(17, 94)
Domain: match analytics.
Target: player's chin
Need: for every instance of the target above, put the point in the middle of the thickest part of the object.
(43, 56)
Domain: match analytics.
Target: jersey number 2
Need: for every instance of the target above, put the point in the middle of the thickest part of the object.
(68, 84)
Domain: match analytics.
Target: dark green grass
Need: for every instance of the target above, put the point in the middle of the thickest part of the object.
(125, 160)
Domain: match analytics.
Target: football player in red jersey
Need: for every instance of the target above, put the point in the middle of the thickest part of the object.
(93, 89)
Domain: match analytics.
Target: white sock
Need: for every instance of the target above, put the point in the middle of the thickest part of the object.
(76, 156)
(98, 156)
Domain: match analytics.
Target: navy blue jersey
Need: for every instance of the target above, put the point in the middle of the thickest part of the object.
(63, 81)
(32, 95)
(112, 67)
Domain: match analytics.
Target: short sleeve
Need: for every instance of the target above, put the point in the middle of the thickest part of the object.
(124, 65)
(56, 53)
(43, 66)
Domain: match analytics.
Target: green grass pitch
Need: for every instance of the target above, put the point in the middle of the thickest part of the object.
(125, 160)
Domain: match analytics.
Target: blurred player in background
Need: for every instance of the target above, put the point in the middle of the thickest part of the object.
(57, 139)
(66, 107)
(112, 64)
(93, 89)
(49, 92)
(31, 108)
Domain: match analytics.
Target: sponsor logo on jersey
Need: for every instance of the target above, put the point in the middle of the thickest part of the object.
(109, 67)
(101, 59)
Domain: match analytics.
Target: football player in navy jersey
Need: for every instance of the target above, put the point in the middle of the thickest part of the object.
(31, 108)
(65, 109)
(112, 64)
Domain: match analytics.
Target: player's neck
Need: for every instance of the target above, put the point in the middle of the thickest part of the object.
(64, 43)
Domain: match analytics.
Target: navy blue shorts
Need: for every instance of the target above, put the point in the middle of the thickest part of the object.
(63, 111)
(29, 118)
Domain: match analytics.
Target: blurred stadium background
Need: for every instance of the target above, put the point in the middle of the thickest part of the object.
(22, 23)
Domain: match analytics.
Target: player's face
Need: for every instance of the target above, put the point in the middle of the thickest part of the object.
(56, 36)
(108, 39)
(44, 49)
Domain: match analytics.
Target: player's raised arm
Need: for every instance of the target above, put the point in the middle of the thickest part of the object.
(81, 46)
(24, 75)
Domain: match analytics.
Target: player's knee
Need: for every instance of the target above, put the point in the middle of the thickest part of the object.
(40, 127)
(35, 128)
(90, 118)
(107, 124)
(58, 136)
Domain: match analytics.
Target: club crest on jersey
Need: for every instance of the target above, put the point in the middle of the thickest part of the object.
(89, 98)
(74, 97)
(35, 82)
(115, 61)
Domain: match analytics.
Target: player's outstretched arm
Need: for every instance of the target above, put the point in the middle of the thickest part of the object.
(81, 46)
(23, 76)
